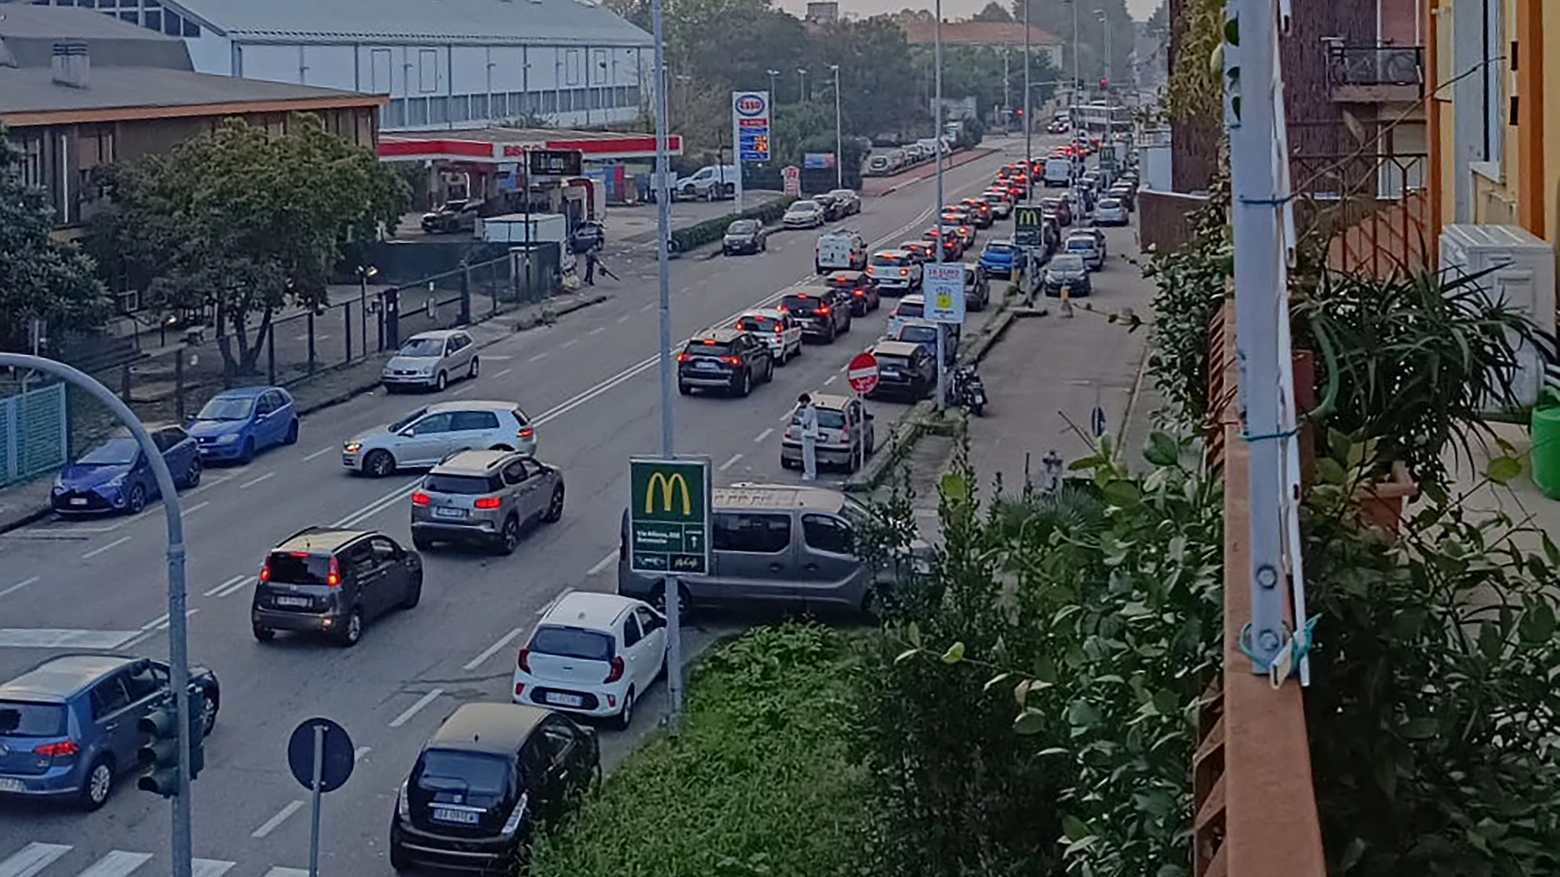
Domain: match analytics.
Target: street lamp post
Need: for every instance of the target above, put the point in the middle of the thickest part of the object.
(937, 115)
(839, 133)
(801, 85)
(1105, 21)
(1029, 158)
(772, 75)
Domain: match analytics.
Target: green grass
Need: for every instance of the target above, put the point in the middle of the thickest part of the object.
(759, 782)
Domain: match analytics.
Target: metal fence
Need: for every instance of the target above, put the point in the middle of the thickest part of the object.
(33, 433)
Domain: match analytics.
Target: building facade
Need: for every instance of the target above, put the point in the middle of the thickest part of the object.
(444, 65)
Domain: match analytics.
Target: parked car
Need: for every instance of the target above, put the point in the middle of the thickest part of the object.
(744, 236)
(896, 271)
(845, 433)
(485, 497)
(912, 307)
(977, 288)
(1125, 194)
(823, 312)
(236, 424)
(428, 435)
(1111, 211)
(906, 371)
(1000, 258)
(1087, 247)
(860, 286)
(333, 581)
(116, 476)
(924, 333)
(455, 215)
(69, 726)
(483, 783)
(848, 199)
(731, 360)
(594, 655)
(430, 360)
(804, 214)
(1069, 270)
(777, 329)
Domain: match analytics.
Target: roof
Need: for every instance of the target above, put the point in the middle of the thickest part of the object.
(976, 33)
(913, 299)
(423, 22)
(464, 405)
(719, 333)
(59, 678)
(437, 333)
(896, 348)
(831, 401)
(589, 609)
(30, 95)
(492, 728)
(471, 461)
(899, 253)
(243, 392)
(318, 539)
(776, 496)
(769, 313)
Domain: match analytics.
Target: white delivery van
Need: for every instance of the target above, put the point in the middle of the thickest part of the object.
(840, 250)
(1058, 172)
(709, 183)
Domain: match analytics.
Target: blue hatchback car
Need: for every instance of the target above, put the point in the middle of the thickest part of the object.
(69, 728)
(999, 258)
(116, 477)
(237, 424)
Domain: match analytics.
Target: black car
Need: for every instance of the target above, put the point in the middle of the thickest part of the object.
(724, 359)
(744, 236)
(451, 216)
(484, 781)
(332, 581)
(1070, 271)
(905, 371)
(860, 286)
(823, 312)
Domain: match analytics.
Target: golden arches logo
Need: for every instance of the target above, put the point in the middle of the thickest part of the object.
(669, 485)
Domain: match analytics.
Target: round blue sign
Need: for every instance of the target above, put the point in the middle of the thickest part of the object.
(750, 105)
(337, 757)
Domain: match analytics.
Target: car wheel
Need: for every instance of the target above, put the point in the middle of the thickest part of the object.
(379, 464)
(352, 631)
(98, 785)
(413, 596)
(725, 251)
(625, 716)
(746, 386)
(763, 245)
(769, 371)
(440, 382)
(263, 634)
(475, 368)
(684, 389)
(193, 473)
(208, 713)
(421, 542)
(509, 536)
(554, 506)
(684, 601)
(292, 433)
(137, 499)
(247, 455)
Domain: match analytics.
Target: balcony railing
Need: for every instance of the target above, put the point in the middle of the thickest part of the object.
(1375, 65)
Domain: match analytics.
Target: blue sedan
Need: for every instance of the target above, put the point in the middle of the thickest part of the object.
(999, 258)
(236, 424)
(116, 476)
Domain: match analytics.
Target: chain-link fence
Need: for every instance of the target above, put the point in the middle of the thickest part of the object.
(32, 433)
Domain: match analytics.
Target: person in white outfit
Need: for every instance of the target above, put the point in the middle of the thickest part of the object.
(809, 437)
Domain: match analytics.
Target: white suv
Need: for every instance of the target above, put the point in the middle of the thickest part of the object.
(592, 654)
(428, 435)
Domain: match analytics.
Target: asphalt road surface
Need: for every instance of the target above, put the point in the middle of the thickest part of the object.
(591, 383)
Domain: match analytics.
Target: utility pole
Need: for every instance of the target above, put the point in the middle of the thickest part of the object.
(1029, 125)
(1261, 316)
(801, 85)
(937, 115)
(772, 74)
(1007, 103)
(1105, 21)
(839, 133)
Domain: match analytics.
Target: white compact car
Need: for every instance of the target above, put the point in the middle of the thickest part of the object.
(777, 329)
(428, 435)
(803, 214)
(592, 654)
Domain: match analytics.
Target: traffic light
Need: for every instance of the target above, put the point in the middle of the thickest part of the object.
(159, 752)
(1104, 82)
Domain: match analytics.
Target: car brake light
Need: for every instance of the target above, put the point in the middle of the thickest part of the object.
(778, 329)
(731, 360)
(963, 229)
(682, 357)
(526, 432)
(709, 342)
(822, 309)
(486, 502)
(265, 572)
(299, 553)
(61, 749)
(419, 498)
(524, 662)
(333, 577)
(616, 671)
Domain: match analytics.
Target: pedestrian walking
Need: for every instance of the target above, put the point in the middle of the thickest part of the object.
(809, 418)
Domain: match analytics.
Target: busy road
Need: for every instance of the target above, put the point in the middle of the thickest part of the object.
(589, 385)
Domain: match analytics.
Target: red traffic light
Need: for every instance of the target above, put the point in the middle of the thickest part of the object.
(1104, 82)
(1019, 112)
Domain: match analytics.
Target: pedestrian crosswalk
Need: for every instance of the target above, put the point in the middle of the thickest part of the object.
(50, 860)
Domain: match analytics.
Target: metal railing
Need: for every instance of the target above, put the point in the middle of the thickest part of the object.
(1370, 210)
(1375, 65)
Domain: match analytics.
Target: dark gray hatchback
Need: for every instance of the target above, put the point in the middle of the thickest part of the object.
(334, 582)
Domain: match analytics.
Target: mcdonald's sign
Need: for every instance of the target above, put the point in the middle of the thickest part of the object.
(668, 509)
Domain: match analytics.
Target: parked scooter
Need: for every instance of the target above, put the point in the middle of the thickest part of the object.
(969, 392)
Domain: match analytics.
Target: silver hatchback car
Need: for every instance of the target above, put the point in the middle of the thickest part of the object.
(486, 498)
(430, 360)
(428, 435)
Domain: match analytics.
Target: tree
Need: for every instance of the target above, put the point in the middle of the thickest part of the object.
(1158, 24)
(40, 278)
(992, 12)
(242, 222)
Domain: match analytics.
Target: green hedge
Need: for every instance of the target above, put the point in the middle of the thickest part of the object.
(711, 230)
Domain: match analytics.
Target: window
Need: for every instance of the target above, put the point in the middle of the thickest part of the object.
(167, 439)
(463, 485)
(438, 110)
(549, 102)
(427, 70)
(395, 113)
(631, 632)
(572, 642)
(647, 621)
(417, 111)
(571, 67)
(132, 17)
(432, 424)
(191, 29)
(32, 162)
(825, 533)
(479, 107)
(558, 741)
(153, 19)
(109, 697)
(515, 473)
(751, 532)
(24, 719)
(173, 23)
(1493, 71)
(464, 420)
(266, 405)
(460, 108)
(384, 550)
(142, 683)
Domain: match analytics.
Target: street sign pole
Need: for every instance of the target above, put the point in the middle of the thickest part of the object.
(314, 825)
(862, 375)
(937, 115)
(321, 758)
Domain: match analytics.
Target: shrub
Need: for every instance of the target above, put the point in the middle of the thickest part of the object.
(712, 230)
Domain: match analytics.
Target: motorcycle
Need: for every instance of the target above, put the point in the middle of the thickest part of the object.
(969, 392)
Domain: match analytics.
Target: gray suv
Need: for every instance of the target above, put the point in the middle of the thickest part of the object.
(485, 497)
(772, 545)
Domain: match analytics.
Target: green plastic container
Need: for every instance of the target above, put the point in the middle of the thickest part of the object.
(1545, 432)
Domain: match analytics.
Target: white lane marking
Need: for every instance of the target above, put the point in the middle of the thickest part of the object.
(373, 507)
(504, 372)
(33, 858)
(196, 507)
(271, 824)
(832, 379)
(412, 710)
(227, 584)
(279, 871)
(187, 614)
(497, 357)
(649, 306)
(116, 863)
(319, 453)
(685, 290)
(155, 622)
(597, 331)
(492, 650)
(237, 586)
(209, 867)
(625, 318)
(96, 551)
(569, 343)
(253, 481)
(539, 357)
(463, 390)
(18, 586)
(554, 601)
(731, 462)
(759, 439)
(602, 564)
(210, 482)
(62, 638)
(361, 753)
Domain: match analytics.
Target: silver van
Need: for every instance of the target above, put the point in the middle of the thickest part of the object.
(776, 545)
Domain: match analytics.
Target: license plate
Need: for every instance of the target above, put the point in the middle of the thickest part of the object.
(448, 814)
(303, 602)
(565, 699)
(449, 513)
(890, 372)
(705, 365)
(78, 500)
(9, 785)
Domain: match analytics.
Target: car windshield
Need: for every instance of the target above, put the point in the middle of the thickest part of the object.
(572, 642)
(742, 226)
(227, 408)
(114, 452)
(466, 485)
(918, 334)
(1110, 204)
(1067, 263)
(476, 773)
(801, 303)
(892, 361)
(24, 719)
(423, 347)
(841, 193)
(406, 421)
(802, 206)
(887, 260)
(1080, 244)
(997, 247)
(909, 309)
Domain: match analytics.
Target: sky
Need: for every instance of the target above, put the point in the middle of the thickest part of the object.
(952, 9)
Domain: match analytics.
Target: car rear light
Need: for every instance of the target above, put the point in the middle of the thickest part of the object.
(265, 572)
(524, 661)
(419, 498)
(526, 432)
(709, 342)
(778, 329)
(822, 309)
(61, 749)
(487, 502)
(904, 272)
(682, 357)
(859, 293)
(616, 670)
(731, 360)
(519, 689)
(333, 576)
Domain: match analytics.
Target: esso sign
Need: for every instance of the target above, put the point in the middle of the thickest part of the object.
(750, 105)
